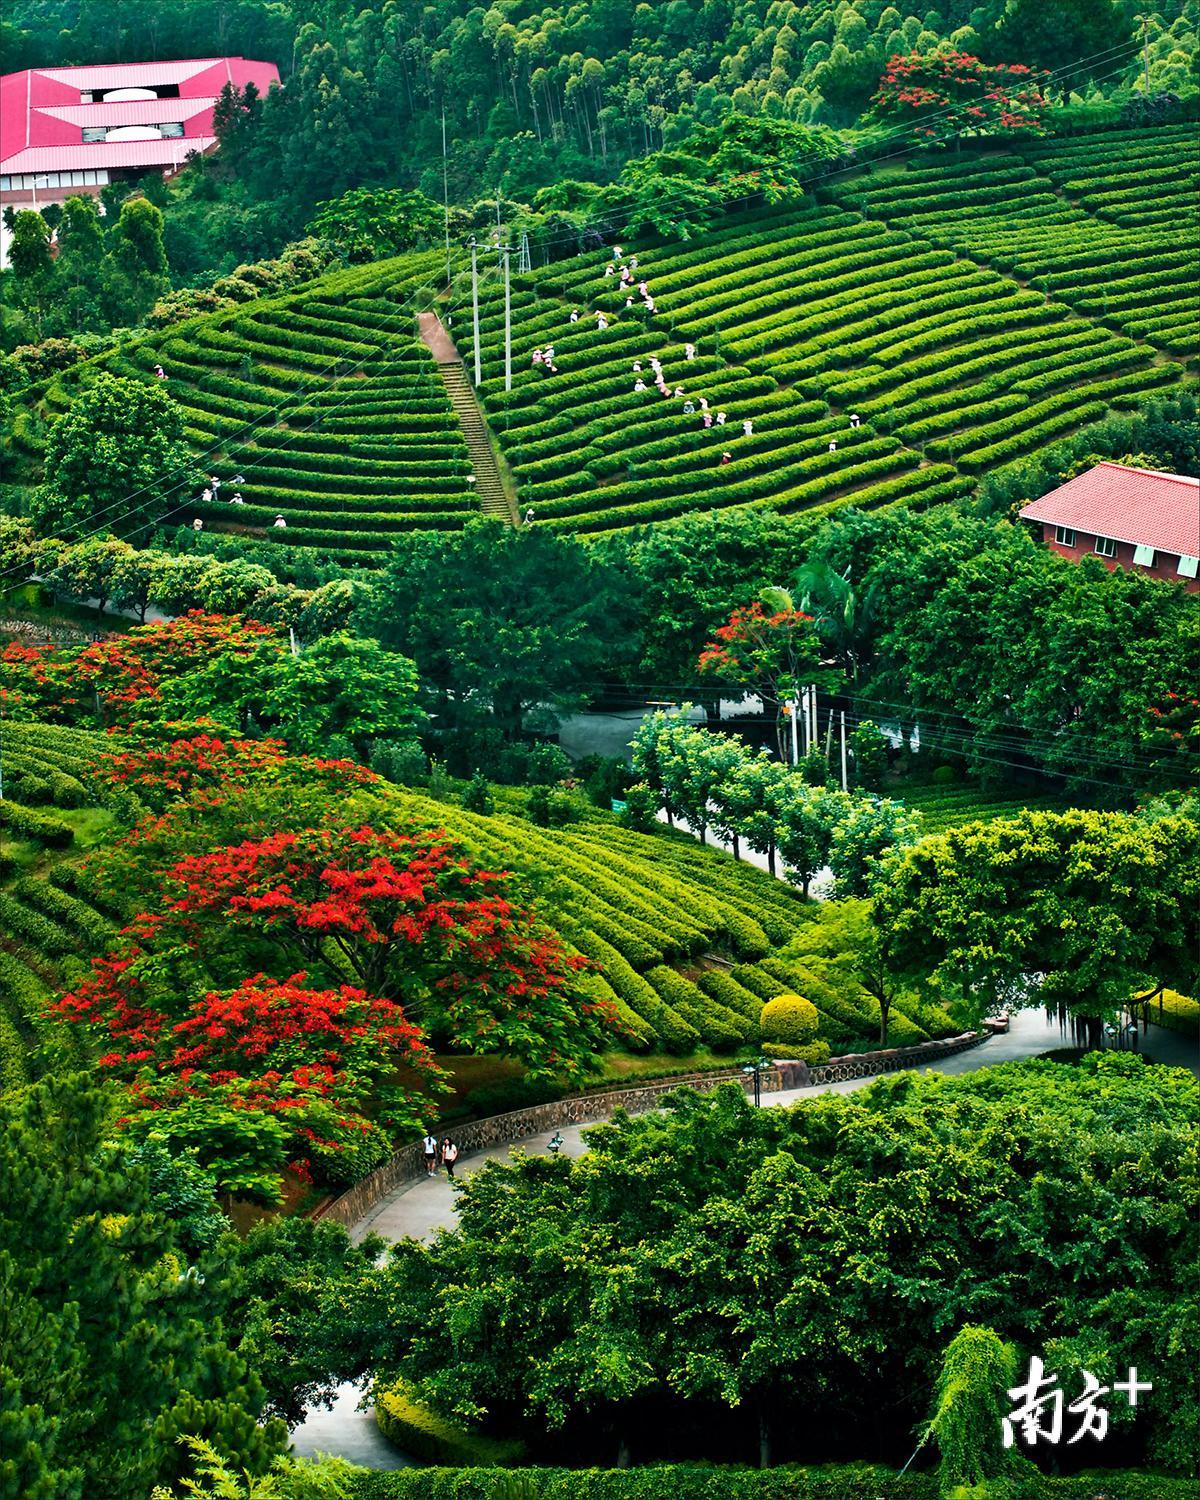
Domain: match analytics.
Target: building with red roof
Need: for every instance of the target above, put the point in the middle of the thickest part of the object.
(1136, 519)
(73, 130)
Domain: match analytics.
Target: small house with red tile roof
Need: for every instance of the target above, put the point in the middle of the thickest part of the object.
(1137, 519)
(74, 130)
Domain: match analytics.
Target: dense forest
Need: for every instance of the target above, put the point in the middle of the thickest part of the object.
(532, 98)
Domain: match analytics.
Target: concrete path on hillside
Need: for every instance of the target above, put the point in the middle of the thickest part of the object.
(436, 338)
(419, 1209)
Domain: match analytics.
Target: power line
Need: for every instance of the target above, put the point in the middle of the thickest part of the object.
(228, 448)
(257, 424)
(958, 741)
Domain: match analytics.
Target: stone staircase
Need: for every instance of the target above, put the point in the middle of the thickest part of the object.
(489, 486)
(494, 499)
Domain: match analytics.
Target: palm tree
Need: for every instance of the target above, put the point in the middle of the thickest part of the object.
(845, 615)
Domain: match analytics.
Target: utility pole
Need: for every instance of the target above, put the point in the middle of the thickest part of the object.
(795, 706)
(1145, 20)
(506, 252)
(812, 708)
(446, 194)
(829, 737)
(475, 313)
(844, 784)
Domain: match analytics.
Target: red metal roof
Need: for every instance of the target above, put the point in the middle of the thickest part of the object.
(128, 75)
(1139, 506)
(133, 112)
(41, 111)
(105, 154)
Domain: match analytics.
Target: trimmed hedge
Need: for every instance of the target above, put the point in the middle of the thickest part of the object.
(1176, 1013)
(423, 1433)
(708, 1482)
(722, 1028)
(37, 827)
(732, 995)
(789, 1019)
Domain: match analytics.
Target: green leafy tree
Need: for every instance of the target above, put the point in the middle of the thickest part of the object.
(112, 1341)
(80, 263)
(688, 573)
(88, 569)
(136, 275)
(869, 748)
(343, 685)
(1101, 905)
(112, 459)
(508, 628)
(373, 223)
(807, 818)
(1080, 35)
(182, 1191)
(795, 1267)
(32, 267)
(753, 800)
(695, 767)
(977, 1371)
(294, 1278)
(136, 578)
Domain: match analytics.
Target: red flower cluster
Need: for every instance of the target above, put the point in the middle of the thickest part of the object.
(184, 764)
(128, 670)
(949, 90)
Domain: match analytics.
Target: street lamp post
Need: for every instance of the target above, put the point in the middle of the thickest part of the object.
(754, 1070)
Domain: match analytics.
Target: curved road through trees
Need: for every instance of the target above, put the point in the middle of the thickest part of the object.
(419, 1209)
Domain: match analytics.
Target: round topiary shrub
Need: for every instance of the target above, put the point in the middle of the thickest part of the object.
(790, 1019)
(944, 776)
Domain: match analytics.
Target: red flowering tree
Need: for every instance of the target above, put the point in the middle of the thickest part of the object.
(186, 668)
(387, 938)
(207, 765)
(768, 647)
(406, 916)
(946, 94)
(331, 1066)
(34, 681)
(1172, 738)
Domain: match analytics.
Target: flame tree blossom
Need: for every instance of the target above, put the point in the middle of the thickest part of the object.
(944, 94)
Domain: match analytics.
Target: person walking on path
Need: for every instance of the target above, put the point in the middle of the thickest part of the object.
(430, 1147)
(449, 1157)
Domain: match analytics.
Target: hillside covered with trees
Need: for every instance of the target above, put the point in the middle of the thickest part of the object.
(514, 597)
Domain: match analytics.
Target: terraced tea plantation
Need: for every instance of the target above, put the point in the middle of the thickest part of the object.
(943, 807)
(914, 327)
(800, 319)
(49, 917)
(687, 943)
(592, 453)
(329, 406)
(1062, 218)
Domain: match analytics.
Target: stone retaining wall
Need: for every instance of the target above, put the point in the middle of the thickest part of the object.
(892, 1059)
(407, 1164)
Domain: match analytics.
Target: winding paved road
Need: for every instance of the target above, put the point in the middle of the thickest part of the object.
(419, 1209)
